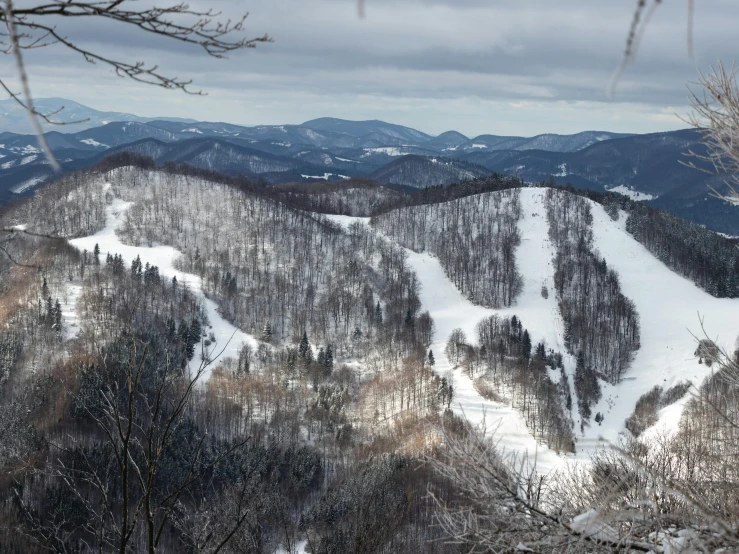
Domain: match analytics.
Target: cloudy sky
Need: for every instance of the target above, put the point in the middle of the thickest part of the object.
(507, 67)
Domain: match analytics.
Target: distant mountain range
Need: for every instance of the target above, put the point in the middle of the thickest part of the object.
(646, 167)
(14, 118)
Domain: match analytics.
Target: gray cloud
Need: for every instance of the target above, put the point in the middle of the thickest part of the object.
(506, 67)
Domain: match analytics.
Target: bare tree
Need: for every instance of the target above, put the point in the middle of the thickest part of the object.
(29, 27)
(716, 115)
(138, 412)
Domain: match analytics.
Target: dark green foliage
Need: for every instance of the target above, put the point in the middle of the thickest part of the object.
(347, 518)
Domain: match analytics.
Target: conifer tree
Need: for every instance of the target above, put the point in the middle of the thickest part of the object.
(432, 361)
(329, 359)
(304, 346)
(526, 344)
(267, 332)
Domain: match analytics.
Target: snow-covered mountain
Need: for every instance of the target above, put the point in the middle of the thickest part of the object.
(14, 118)
(322, 338)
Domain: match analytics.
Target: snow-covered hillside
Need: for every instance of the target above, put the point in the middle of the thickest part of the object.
(229, 339)
(669, 305)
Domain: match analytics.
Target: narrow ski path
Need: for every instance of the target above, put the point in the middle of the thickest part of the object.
(229, 338)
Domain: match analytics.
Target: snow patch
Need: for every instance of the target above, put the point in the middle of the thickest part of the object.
(562, 171)
(325, 176)
(93, 142)
(27, 184)
(631, 193)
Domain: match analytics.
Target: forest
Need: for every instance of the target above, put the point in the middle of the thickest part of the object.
(332, 429)
(475, 239)
(601, 324)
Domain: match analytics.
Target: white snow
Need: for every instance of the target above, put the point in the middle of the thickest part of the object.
(389, 150)
(479, 146)
(299, 548)
(593, 524)
(669, 307)
(450, 310)
(70, 319)
(347, 160)
(631, 193)
(325, 176)
(562, 171)
(228, 338)
(27, 184)
(28, 159)
(9, 164)
(192, 130)
(93, 142)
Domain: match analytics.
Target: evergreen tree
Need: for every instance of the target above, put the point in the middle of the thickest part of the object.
(329, 359)
(321, 358)
(526, 344)
(409, 319)
(44, 289)
(304, 346)
(136, 268)
(267, 332)
(432, 361)
(378, 314)
(57, 325)
(96, 253)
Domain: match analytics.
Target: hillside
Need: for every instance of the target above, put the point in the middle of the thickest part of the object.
(341, 346)
(419, 172)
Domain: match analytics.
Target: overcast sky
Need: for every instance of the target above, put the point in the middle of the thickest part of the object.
(518, 67)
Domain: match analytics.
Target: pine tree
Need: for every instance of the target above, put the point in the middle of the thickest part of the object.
(44, 289)
(329, 359)
(378, 314)
(321, 358)
(526, 344)
(304, 347)
(432, 361)
(96, 253)
(57, 326)
(136, 268)
(267, 332)
(409, 319)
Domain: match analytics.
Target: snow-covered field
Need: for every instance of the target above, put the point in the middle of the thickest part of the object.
(228, 338)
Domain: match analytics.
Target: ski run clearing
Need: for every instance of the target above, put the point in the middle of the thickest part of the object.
(229, 339)
(671, 309)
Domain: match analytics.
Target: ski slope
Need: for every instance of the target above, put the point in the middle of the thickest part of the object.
(450, 309)
(669, 307)
(229, 338)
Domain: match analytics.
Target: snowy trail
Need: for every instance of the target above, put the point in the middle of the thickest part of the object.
(228, 337)
(668, 306)
(450, 309)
